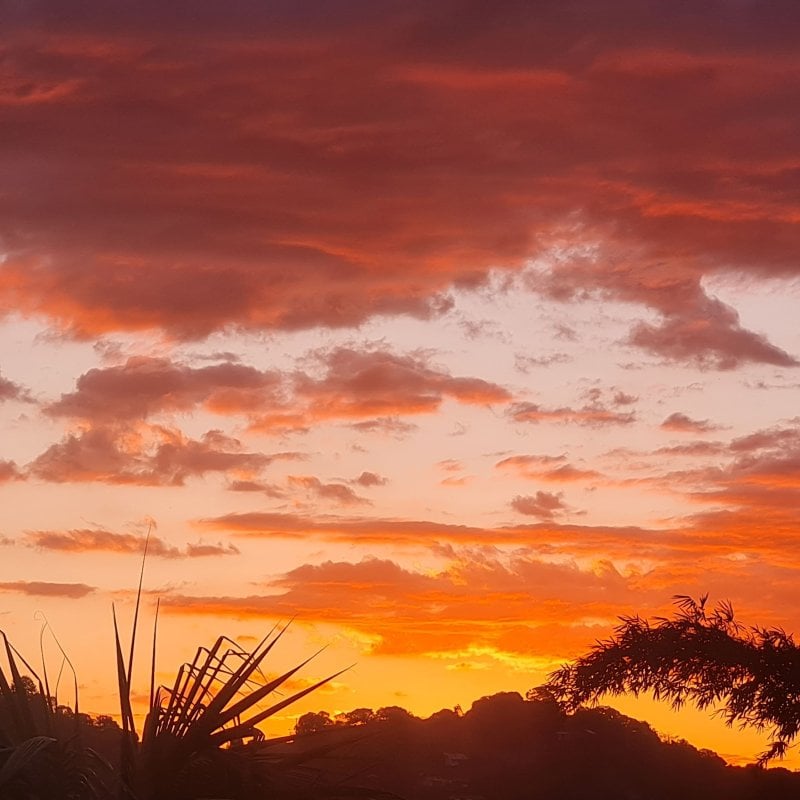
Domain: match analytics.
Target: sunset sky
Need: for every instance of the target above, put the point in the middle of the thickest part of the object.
(453, 330)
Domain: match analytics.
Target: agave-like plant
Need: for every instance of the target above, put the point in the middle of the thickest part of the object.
(200, 737)
(41, 752)
(202, 732)
(197, 732)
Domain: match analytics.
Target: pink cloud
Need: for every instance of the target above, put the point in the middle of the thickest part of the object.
(593, 416)
(389, 426)
(374, 386)
(153, 456)
(681, 423)
(71, 591)
(12, 391)
(145, 386)
(709, 335)
(694, 449)
(338, 493)
(9, 471)
(381, 384)
(544, 505)
(773, 438)
(525, 364)
(374, 173)
(369, 479)
(269, 489)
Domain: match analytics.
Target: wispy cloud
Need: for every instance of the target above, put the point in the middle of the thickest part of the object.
(87, 540)
(71, 591)
(682, 423)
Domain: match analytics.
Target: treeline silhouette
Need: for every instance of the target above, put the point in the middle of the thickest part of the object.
(509, 748)
(503, 748)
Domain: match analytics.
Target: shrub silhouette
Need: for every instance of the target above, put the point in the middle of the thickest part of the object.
(700, 656)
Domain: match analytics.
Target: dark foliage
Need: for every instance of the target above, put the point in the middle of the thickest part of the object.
(509, 748)
(698, 656)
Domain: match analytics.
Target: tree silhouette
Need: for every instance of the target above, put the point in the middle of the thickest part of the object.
(750, 675)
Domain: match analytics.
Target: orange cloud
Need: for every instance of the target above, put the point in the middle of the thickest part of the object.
(548, 537)
(412, 612)
(373, 173)
(97, 540)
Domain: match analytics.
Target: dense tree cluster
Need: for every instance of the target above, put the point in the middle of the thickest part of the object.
(506, 747)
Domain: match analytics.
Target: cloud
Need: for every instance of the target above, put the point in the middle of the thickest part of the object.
(338, 493)
(12, 391)
(711, 336)
(544, 505)
(567, 473)
(374, 386)
(144, 386)
(369, 479)
(601, 408)
(773, 438)
(150, 456)
(269, 489)
(525, 364)
(406, 611)
(553, 469)
(550, 536)
(372, 174)
(693, 449)
(87, 540)
(681, 423)
(389, 426)
(592, 416)
(203, 550)
(380, 384)
(72, 591)
(9, 471)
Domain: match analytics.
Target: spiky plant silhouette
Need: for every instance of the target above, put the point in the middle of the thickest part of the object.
(702, 656)
(200, 737)
(41, 748)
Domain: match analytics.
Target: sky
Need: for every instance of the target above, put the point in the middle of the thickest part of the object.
(451, 331)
